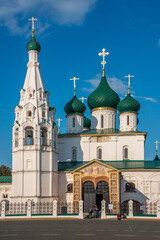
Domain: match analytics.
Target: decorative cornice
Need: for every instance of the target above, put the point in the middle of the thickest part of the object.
(103, 108)
(128, 113)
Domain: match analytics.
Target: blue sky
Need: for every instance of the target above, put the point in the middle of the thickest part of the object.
(71, 34)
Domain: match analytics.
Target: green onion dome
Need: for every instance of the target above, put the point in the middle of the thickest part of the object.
(103, 96)
(128, 104)
(156, 158)
(33, 45)
(75, 107)
(86, 123)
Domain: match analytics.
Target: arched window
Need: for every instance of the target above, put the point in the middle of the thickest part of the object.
(28, 136)
(127, 120)
(43, 114)
(125, 153)
(130, 187)
(70, 187)
(102, 123)
(44, 141)
(29, 113)
(74, 122)
(99, 153)
(16, 137)
(74, 154)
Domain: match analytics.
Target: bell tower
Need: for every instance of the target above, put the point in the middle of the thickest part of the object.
(34, 144)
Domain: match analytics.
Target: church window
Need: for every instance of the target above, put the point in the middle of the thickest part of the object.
(28, 136)
(30, 95)
(74, 154)
(44, 141)
(5, 195)
(130, 187)
(125, 153)
(127, 120)
(99, 153)
(74, 122)
(70, 188)
(43, 114)
(16, 137)
(102, 121)
(29, 113)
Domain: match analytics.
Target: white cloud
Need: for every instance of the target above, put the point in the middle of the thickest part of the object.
(148, 99)
(116, 84)
(15, 13)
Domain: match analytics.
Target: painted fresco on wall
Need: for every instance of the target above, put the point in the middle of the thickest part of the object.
(96, 169)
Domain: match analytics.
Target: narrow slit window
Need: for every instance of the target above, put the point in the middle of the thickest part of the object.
(125, 153)
(74, 122)
(99, 153)
(102, 123)
(127, 120)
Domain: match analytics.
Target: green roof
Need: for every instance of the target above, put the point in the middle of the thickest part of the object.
(101, 132)
(128, 104)
(74, 106)
(86, 122)
(51, 108)
(5, 179)
(120, 165)
(33, 45)
(103, 96)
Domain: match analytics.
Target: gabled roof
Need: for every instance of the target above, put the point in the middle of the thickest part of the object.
(5, 179)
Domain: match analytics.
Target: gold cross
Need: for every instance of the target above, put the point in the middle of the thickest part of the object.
(59, 124)
(82, 98)
(74, 80)
(156, 142)
(103, 54)
(129, 82)
(32, 19)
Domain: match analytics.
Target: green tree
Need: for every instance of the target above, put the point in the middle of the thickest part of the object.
(5, 171)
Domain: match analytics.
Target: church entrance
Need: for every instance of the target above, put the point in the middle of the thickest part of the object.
(92, 196)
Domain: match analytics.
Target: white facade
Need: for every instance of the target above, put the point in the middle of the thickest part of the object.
(103, 118)
(128, 121)
(74, 123)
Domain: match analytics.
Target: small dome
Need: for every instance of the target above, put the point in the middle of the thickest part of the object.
(128, 104)
(75, 107)
(33, 45)
(86, 123)
(103, 96)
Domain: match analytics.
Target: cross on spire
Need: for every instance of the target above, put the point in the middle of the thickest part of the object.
(103, 54)
(82, 98)
(129, 82)
(156, 142)
(59, 124)
(32, 19)
(74, 80)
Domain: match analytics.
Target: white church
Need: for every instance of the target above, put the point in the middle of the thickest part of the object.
(92, 161)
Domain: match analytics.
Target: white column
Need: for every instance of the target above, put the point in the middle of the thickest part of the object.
(55, 208)
(29, 208)
(81, 209)
(103, 209)
(130, 209)
(3, 210)
(158, 209)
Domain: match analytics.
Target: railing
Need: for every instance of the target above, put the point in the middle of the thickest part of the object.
(16, 208)
(28, 141)
(42, 208)
(67, 207)
(46, 142)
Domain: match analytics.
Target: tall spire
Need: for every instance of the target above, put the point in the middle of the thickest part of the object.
(103, 54)
(59, 124)
(32, 19)
(74, 80)
(129, 82)
(156, 142)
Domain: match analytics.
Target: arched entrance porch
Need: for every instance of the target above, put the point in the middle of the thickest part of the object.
(93, 193)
